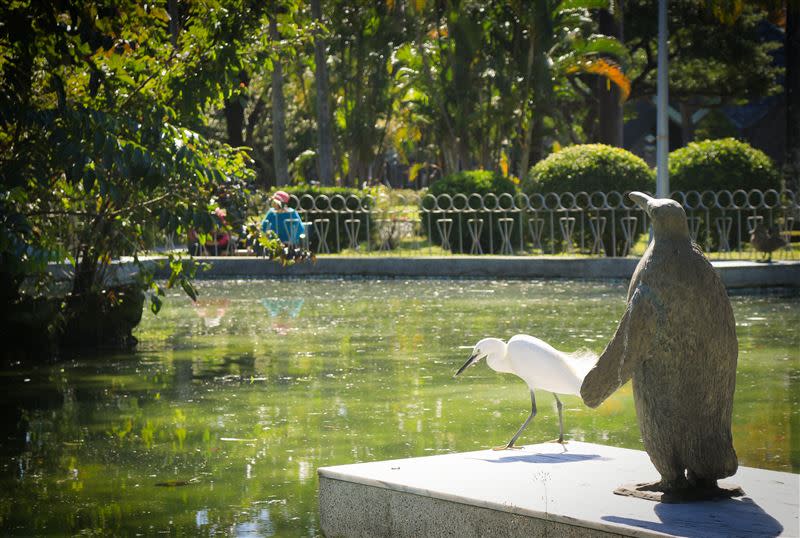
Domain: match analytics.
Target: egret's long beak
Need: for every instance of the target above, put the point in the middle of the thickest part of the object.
(470, 361)
(641, 199)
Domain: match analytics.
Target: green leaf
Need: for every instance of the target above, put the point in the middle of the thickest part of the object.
(189, 289)
(160, 13)
(155, 304)
(600, 44)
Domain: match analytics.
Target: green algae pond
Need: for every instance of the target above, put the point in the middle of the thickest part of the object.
(217, 423)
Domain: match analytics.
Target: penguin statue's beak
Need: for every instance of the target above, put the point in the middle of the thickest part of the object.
(641, 199)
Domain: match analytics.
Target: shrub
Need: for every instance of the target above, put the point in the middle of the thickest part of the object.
(725, 164)
(591, 168)
(718, 165)
(466, 183)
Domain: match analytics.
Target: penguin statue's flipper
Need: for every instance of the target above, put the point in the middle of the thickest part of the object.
(629, 345)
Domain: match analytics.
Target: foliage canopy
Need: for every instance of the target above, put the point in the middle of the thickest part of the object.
(96, 152)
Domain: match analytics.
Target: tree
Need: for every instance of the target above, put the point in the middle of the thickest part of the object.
(484, 71)
(95, 100)
(609, 96)
(280, 158)
(362, 74)
(713, 61)
(324, 121)
(564, 47)
(792, 166)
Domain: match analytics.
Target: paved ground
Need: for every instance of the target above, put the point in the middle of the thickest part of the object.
(541, 490)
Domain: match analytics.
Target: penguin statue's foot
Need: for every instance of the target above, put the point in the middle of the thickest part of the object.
(680, 491)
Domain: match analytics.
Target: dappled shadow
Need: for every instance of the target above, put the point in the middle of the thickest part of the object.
(730, 517)
(565, 457)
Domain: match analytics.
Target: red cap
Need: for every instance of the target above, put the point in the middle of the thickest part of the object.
(281, 196)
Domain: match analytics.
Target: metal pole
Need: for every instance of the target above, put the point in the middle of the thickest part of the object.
(662, 126)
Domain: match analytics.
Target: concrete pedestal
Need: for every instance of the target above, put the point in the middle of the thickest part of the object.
(540, 490)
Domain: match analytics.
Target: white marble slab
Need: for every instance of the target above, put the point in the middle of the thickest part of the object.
(575, 488)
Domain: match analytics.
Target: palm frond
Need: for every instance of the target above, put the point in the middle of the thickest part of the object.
(605, 68)
(601, 44)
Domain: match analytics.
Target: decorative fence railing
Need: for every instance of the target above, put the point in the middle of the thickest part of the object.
(595, 224)
(598, 223)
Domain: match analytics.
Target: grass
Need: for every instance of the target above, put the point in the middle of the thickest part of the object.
(419, 246)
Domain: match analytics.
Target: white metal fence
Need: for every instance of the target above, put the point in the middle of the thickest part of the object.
(598, 223)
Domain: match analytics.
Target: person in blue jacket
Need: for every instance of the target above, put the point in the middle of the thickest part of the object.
(283, 220)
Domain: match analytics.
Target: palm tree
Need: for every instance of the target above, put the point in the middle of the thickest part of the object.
(479, 72)
(563, 49)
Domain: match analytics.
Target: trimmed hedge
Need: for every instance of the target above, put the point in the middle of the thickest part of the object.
(591, 168)
(466, 183)
(724, 164)
(717, 165)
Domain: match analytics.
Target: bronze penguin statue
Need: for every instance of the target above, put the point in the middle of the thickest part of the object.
(677, 341)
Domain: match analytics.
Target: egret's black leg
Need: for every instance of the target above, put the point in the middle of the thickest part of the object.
(560, 407)
(524, 425)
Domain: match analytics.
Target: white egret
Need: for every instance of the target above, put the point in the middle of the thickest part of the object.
(539, 364)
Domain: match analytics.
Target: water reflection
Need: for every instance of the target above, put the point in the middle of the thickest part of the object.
(282, 311)
(260, 525)
(233, 414)
(211, 311)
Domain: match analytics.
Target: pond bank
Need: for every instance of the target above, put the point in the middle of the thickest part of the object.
(735, 274)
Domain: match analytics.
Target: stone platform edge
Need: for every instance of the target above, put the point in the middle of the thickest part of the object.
(541, 490)
(735, 274)
(407, 513)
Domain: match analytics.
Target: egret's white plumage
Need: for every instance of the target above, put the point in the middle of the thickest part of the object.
(539, 364)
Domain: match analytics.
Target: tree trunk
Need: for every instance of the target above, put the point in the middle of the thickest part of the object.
(174, 21)
(234, 115)
(85, 272)
(609, 106)
(792, 164)
(527, 120)
(537, 137)
(542, 77)
(324, 120)
(449, 155)
(280, 158)
(525, 157)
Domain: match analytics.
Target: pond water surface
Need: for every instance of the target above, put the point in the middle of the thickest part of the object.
(219, 420)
